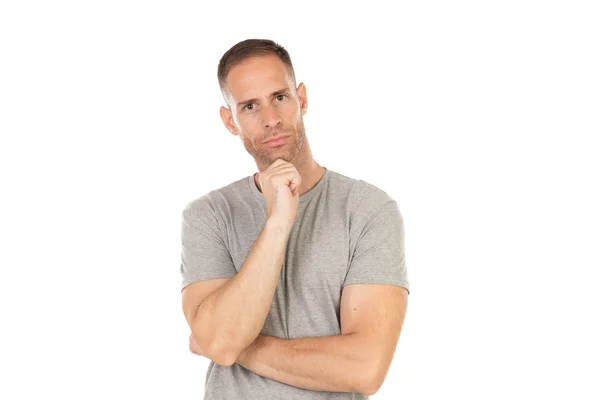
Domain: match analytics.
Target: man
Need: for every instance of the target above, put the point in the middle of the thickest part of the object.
(294, 278)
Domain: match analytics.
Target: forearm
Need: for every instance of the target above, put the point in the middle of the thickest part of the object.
(342, 363)
(230, 318)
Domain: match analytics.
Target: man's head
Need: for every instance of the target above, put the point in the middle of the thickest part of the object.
(259, 87)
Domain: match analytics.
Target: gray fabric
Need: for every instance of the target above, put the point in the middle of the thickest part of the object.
(346, 231)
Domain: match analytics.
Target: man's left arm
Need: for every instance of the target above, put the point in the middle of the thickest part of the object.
(358, 360)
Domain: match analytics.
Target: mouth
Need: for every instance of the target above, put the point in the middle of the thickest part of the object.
(276, 142)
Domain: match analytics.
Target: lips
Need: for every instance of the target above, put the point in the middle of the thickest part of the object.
(276, 141)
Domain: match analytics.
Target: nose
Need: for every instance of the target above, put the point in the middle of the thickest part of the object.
(271, 118)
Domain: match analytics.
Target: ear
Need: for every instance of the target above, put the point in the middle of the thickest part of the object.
(301, 91)
(227, 118)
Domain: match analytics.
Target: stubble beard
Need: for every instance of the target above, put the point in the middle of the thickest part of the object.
(289, 152)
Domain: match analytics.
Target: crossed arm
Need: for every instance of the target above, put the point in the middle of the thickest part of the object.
(355, 361)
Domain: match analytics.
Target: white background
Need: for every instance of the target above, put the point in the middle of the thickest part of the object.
(480, 118)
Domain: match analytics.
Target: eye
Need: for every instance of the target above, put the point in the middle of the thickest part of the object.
(282, 97)
(249, 106)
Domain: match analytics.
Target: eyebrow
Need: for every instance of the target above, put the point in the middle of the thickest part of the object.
(275, 93)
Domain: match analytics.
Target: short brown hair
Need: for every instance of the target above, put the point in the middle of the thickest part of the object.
(252, 48)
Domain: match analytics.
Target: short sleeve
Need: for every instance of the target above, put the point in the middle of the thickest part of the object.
(204, 254)
(379, 256)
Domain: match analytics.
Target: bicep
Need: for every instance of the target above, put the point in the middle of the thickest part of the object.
(204, 252)
(377, 313)
(206, 263)
(379, 255)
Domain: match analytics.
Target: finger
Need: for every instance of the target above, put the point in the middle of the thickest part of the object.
(295, 181)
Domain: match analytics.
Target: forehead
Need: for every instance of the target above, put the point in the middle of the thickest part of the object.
(257, 76)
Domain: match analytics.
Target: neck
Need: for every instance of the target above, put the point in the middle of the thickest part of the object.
(310, 172)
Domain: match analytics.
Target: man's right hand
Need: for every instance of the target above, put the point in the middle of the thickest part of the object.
(279, 185)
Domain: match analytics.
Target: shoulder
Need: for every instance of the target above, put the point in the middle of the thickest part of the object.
(219, 199)
(363, 198)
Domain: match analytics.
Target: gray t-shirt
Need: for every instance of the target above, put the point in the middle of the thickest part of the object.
(346, 231)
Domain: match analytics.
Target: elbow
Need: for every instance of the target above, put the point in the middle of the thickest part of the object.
(223, 355)
(224, 359)
(370, 388)
(218, 350)
(213, 350)
(372, 381)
